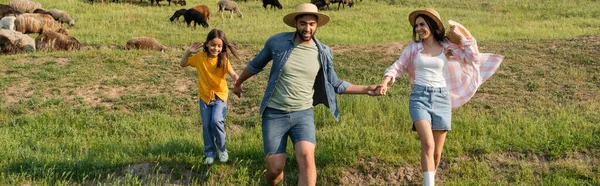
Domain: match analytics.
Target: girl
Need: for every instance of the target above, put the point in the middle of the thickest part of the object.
(443, 76)
(212, 64)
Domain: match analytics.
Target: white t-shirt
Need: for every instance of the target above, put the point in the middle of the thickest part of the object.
(429, 70)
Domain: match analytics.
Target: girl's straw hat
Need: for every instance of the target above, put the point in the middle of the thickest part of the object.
(306, 8)
(430, 12)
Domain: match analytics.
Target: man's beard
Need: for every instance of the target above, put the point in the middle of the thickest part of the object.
(301, 35)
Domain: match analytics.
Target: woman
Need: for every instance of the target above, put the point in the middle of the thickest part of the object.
(443, 76)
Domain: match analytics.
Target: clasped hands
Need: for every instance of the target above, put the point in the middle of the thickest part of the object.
(377, 90)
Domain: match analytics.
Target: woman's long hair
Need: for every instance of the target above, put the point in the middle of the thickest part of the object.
(215, 33)
(438, 35)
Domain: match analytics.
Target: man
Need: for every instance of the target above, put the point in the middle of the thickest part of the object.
(301, 76)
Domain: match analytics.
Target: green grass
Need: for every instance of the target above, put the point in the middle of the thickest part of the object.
(368, 22)
(112, 116)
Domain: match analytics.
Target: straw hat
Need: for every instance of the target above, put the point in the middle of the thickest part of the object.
(428, 12)
(306, 8)
(452, 35)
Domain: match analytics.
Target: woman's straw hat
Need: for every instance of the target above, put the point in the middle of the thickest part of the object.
(430, 12)
(306, 8)
(452, 35)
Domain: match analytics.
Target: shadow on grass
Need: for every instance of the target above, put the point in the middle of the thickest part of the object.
(173, 162)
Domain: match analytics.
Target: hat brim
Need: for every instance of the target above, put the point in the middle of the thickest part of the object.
(413, 16)
(290, 19)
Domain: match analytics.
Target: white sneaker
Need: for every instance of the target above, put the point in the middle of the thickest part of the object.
(223, 157)
(209, 160)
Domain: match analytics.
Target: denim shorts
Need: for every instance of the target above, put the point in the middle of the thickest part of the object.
(431, 104)
(277, 125)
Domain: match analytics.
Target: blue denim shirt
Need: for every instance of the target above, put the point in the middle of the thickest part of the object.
(278, 48)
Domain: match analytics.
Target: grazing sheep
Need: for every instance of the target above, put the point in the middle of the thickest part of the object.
(24, 6)
(7, 47)
(62, 17)
(41, 11)
(37, 23)
(272, 3)
(343, 3)
(50, 41)
(8, 22)
(181, 2)
(177, 14)
(204, 10)
(230, 6)
(193, 15)
(22, 41)
(145, 43)
(321, 4)
(6, 10)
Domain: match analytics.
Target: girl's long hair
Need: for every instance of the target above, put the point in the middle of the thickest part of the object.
(438, 35)
(227, 47)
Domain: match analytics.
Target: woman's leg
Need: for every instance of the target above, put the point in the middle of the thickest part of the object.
(427, 144)
(439, 137)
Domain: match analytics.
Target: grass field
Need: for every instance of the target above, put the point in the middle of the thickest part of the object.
(104, 115)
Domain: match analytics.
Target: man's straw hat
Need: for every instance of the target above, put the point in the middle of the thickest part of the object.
(306, 8)
(430, 12)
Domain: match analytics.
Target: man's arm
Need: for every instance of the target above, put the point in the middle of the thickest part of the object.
(371, 90)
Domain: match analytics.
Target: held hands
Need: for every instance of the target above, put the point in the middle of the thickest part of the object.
(195, 47)
(237, 90)
(376, 90)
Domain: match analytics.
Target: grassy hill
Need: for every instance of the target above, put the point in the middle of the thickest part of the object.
(104, 115)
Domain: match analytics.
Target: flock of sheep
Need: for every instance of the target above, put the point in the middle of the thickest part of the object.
(21, 17)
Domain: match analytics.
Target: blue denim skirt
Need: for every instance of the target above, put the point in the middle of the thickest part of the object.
(431, 104)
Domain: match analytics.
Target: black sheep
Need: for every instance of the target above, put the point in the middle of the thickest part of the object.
(193, 15)
(177, 14)
(6, 10)
(272, 3)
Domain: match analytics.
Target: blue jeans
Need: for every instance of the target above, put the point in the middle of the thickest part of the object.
(213, 125)
(431, 104)
(277, 125)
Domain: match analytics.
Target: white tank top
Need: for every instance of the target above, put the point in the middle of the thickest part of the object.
(429, 70)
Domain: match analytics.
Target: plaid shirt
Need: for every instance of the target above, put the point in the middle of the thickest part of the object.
(465, 71)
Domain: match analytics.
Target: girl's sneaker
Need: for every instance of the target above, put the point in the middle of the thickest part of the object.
(209, 160)
(223, 157)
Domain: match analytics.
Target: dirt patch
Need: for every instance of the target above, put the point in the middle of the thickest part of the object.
(62, 61)
(18, 92)
(181, 86)
(114, 93)
(504, 165)
(377, 172)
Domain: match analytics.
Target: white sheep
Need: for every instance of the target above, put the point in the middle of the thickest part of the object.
(8, 22)
(21, 40)
(62, 16)
(24, 6)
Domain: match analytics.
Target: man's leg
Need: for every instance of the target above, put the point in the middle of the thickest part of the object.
(275, 164)
(275, 126)
(303, 136)
(305, 156)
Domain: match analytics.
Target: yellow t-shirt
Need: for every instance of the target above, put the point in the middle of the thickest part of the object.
(211, 79)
